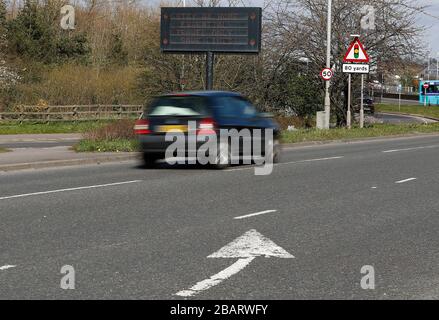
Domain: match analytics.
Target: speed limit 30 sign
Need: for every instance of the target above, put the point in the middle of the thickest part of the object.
(327, 74)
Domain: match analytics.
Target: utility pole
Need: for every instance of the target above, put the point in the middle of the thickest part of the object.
(328, 65)
(428, 66)
(437, 66)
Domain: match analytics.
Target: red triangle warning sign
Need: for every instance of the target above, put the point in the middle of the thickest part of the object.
(356, 53)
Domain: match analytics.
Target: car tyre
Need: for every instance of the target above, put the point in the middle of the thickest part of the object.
(277, 149)
(223, 158)
(150, 160)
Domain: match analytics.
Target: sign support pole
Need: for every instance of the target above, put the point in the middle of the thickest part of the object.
(210, 58)
(328, 65)
(399, 101)
(425, 101)
(349, 115)
(362, 103)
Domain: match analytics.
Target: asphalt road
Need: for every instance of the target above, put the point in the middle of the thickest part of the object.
(132, 233)
(400, 119)
(37, 144)
(38, 140)
(403, 102)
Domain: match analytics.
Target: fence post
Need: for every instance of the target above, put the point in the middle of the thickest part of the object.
(75, 113)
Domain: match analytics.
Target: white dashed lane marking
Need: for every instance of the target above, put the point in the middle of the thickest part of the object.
(254, 214)
(406, 180)
(69, 189)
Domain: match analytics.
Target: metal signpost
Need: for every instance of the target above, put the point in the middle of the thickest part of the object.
(211, 30)
(399, 97)
(356, 61)
(426, 86)
(328, 65)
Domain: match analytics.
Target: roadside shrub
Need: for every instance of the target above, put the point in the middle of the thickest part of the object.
(71, 84)
(121, 129)
(296, 122)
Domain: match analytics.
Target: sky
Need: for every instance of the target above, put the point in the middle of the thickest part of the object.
(432, 34)
(430, 21)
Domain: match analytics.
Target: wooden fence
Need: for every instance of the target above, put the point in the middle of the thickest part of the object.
(72, 113)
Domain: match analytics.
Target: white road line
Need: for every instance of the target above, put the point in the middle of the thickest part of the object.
(6, 267)
(410, 149)
(316, 160)
(254, 214)
(70, 189)
(216, 279)
(292, 162)
(406, 180)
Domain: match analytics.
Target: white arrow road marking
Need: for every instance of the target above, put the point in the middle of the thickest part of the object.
(245, 248)
(216, 279)
(6, 267)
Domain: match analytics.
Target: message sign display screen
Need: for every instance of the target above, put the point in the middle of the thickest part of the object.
(227, 30)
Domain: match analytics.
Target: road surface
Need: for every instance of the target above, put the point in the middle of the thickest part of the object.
(38, 140)
(401, 119)
(325, 213)
(53, 141)
(403, 102)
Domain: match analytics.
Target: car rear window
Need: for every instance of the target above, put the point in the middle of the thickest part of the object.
(188, 106)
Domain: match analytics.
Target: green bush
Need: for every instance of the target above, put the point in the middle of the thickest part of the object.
(117, 136)
(121, 129)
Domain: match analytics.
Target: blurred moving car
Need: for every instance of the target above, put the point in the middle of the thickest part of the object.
(211, 111)
(368, 105)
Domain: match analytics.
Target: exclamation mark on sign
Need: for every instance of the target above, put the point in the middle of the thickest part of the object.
(356, 51)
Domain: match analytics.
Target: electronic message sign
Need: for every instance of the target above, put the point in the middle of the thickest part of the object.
(222, 30)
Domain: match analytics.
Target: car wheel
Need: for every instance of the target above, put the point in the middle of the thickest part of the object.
(223, 158)
(150, 160)
(277, 149)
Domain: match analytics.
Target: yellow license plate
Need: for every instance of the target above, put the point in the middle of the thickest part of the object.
(167, 129)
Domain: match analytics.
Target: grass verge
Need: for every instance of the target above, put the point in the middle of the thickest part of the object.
(117, 145)
(376, 130)
(51, 127)
(303, 135)
(431, 111)
(2, 150)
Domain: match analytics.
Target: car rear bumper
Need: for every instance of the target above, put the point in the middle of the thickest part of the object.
(158, 144)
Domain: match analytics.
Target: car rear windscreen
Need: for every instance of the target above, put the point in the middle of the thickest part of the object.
(187, 106)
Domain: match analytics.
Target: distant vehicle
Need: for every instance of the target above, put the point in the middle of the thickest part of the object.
(376, 85)
(211, 111)
(368, 105)
(432, 97)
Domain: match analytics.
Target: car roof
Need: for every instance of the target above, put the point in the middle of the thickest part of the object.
(204, 94)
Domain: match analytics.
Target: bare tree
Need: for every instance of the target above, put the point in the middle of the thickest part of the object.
(297, 28)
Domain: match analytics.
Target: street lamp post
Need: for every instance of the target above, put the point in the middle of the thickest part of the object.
(437, 66)
(328, 65)
(428, 66)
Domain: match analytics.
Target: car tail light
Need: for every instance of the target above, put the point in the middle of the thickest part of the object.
(142, 127)
(206, 127)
